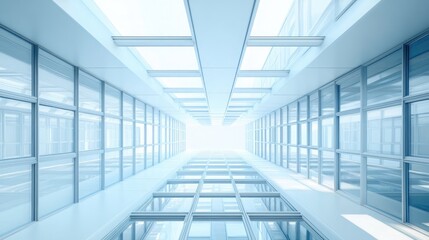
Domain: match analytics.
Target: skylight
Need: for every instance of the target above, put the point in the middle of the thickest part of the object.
(169, 58)
(254, 58)
(270, 17)
(180, 82)
(146, 17)
(188, 95)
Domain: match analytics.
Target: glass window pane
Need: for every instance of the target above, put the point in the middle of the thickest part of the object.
(303, 161)
(180, 187)
(56, 79)
(293, 134)
(140, 156)
(112, 134)
(15, 64)
(149, 114)
(385, 131)
(140, 111)
(217, 187)
(165, 230)
(15, 129)
(89, 174)
(327, 132)
(350, 174)
(419, 70)
(313, 161)
(217, 204)
(15, 195)
(314, 133)
(254, 187)
(56, 129)
(140, 136)
(384, 185)
(293, 112)
(127, 162)
(350, 92)
(89, 132)
(149, 134)
(419, 195)
(111, 167)
(420, 129)
(328, 100)
(314, 105)
(303, 134)
(128, 105)
(303, 109)
(327, 168)
(128, 131)
(112, 100)
(89, 92)
(293, 158)
(384, 81)
(350, 132)
(55, 185)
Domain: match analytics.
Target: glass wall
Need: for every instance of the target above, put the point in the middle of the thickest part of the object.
(77, 134)
(365, 132)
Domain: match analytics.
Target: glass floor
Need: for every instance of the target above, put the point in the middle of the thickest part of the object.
(215, 196)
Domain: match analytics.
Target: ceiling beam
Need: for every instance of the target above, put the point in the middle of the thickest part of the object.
(184, 90)
(142, 41)
(174, 73)
(251, 90)
(293, 41)
(263, 73)
(181, 100)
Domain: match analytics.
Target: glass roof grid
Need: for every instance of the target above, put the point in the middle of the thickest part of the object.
(188, 95)
(146, 17)
(248, 95)
(270, 17)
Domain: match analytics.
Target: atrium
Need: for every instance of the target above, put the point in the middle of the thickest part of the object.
(214, 119)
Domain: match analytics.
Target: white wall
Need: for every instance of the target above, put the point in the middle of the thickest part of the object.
(214, 137)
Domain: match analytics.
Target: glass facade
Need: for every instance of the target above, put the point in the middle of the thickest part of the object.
(77, 134)
(366, 134)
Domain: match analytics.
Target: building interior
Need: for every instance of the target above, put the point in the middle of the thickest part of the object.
(214, 119)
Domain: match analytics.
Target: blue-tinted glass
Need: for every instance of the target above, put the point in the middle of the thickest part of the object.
(15, 129)
(293, 134)
(419, 195)
(168, 205)
(420, 129)
(140, 111)
(303, 109)
(128, 107)
(327, 132)
(384, 81)
(15, 197)
(384, 184)
(89, 92)
(56, 128)
(217, 204)
(303, 134)
(328, 166)
(303, 161)
(113, 133)
(293, 112)
(314, 133)
(112, 101)
(149, 156)
(350, 132)
(15, 64)
(313, 160)
(350, 174)
(350, 92)
(111, 167)
(89, 174)
(419, 67)
(140, 136)
(264, 204)
(327, 100)
(128, 131)
(127, 162)
(140, 158)
(56, 79)
(314, 105)
(217, 230)
(55, 185)
(292, 160)
(89, 132)
(384, 130)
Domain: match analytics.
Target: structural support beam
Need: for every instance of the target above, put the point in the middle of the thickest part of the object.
(184, 90)
(174, 73)
(251, 90)
(140, 41)
(295, 41)
(263, 73)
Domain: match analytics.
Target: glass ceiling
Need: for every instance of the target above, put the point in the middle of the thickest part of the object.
(137, 17)
(270, 17)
